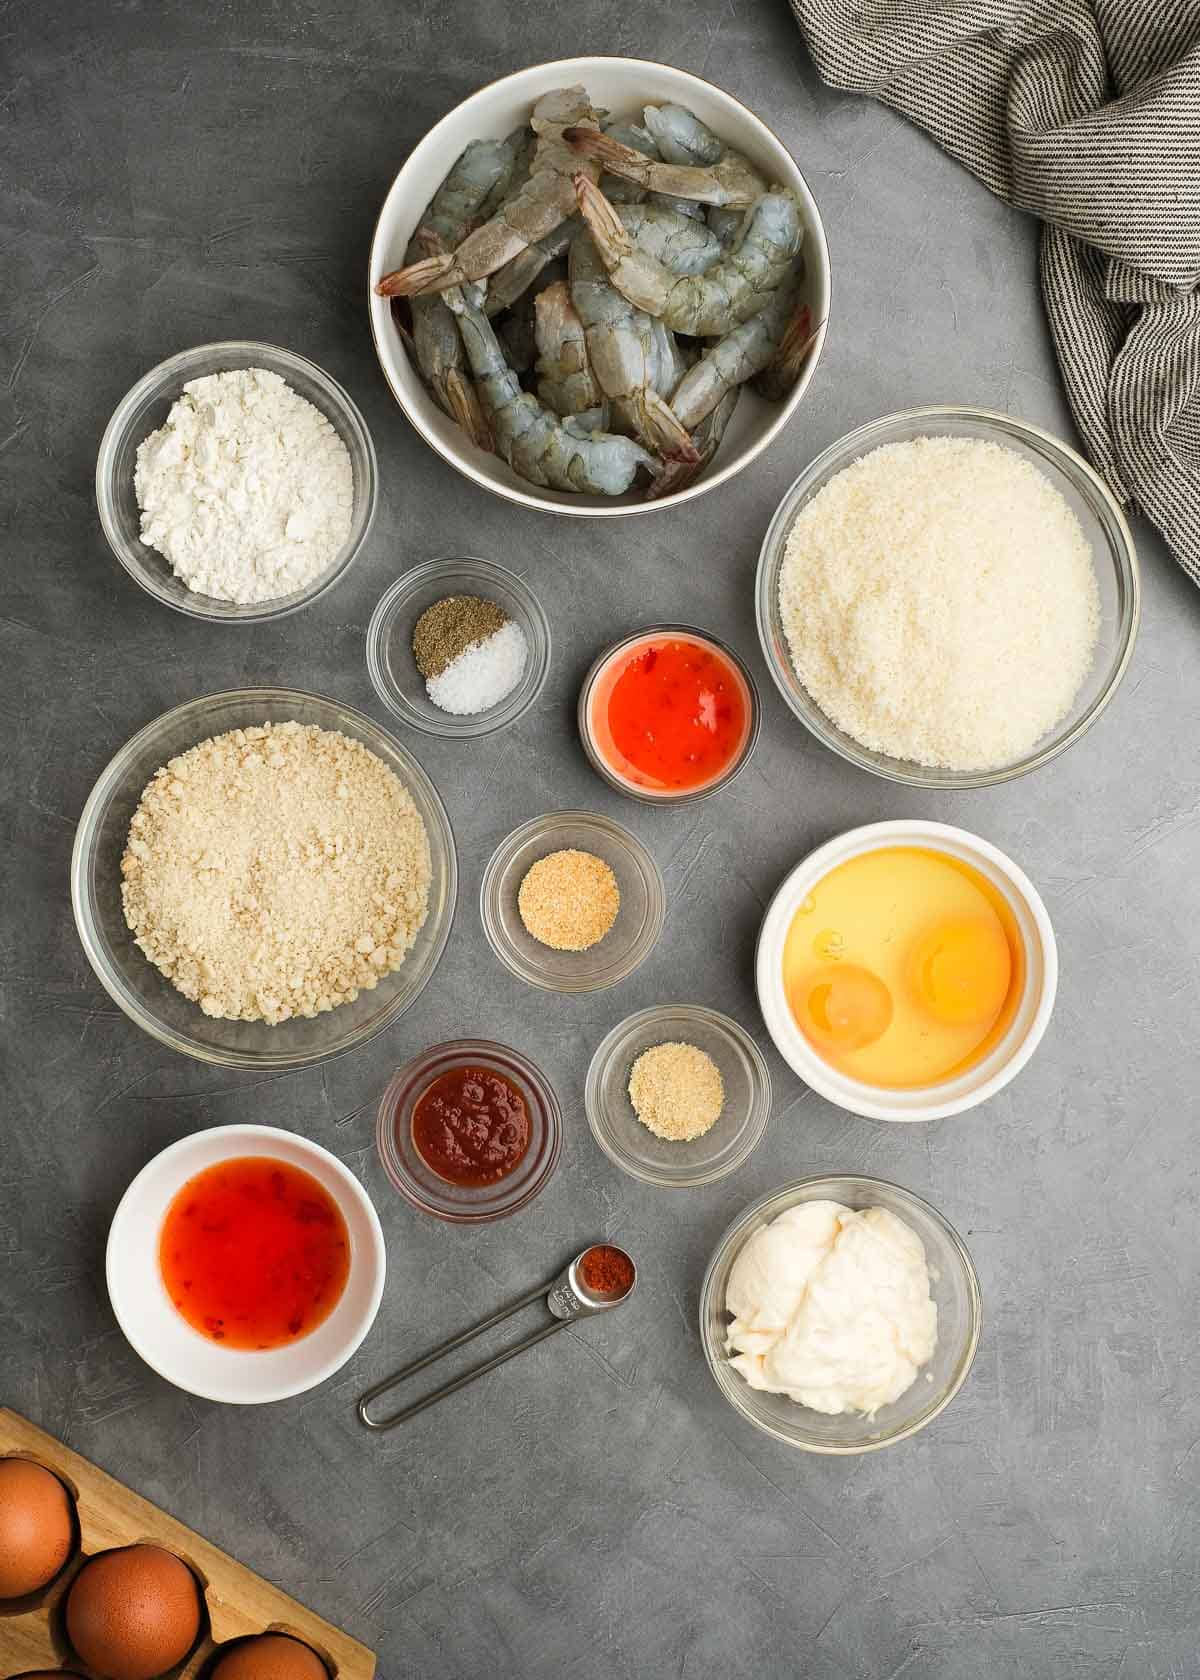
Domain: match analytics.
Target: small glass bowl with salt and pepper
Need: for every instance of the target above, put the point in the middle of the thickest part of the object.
(458, 647)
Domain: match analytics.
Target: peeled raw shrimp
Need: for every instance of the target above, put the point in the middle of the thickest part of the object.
(706, 305)
(622, 353)
(566, 382)
(737, 357)
(677, 475)
(436, 345)
(786, 365)
(515, 278)
(730, 181)
(682, 245)
(536, 209)
(560, 455)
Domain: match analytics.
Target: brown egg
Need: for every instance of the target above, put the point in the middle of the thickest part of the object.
(133, 1613)
(37, 1528)
(50, 1674)
(271, 1656)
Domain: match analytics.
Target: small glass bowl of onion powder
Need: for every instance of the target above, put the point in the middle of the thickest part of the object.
(458, 647)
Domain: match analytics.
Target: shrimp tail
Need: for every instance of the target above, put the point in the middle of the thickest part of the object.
(431, 274)
(603, 222)
(660, 425)
(463, 402)
(603, 149)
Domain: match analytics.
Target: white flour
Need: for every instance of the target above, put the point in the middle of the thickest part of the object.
(247, 490)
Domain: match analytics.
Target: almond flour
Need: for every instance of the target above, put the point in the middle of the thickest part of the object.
(275, 871)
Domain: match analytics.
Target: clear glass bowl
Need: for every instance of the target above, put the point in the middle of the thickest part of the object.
(587, 734)
(636, 1149)
(145, 408)
(1104, 526)
(627, 943)
(393, 669)
(465, 1204)
(147, 996)
(955, 1290)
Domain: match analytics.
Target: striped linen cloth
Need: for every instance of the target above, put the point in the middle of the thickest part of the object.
(1087, 114)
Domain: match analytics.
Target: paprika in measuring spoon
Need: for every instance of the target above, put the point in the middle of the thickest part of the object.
(671, 714)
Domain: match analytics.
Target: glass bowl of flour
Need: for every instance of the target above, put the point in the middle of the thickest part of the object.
(840, 1318)
(236, 482)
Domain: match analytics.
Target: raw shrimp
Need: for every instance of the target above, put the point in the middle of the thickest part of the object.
(621, 351)
(515, 278)
(677, 475)
(786, 365)
(737, 357)
(436, 346)
(726, 224)
(566, 382)
(681, 137)
(520, 146)
(731, 181)
(706, 305)
(545, 201)
(560, 455)
(682, 245)
(637, 139)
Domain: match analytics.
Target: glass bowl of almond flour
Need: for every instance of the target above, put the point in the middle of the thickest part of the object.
(238, 531)
(427, 862)
(948, 597)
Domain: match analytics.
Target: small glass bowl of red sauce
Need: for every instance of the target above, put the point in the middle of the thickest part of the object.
(469, 1131)
(668, 715)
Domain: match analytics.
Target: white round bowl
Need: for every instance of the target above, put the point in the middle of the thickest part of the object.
(165, 1340)
(623, 86)
(1006, 1058)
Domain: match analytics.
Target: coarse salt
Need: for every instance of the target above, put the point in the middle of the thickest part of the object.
(484, 673)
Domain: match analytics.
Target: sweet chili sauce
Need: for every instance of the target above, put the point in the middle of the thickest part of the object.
(471, 1126)
(254, 1253)
(670, 714)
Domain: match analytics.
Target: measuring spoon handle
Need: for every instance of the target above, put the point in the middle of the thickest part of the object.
(439, 1352)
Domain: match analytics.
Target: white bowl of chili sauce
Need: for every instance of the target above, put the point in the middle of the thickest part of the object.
(245, 1264)
(668, 715)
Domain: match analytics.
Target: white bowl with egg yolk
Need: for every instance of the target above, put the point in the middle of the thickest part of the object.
(164, 1338)
(1002, 1062)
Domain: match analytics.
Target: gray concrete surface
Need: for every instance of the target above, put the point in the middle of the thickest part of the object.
(175, 173)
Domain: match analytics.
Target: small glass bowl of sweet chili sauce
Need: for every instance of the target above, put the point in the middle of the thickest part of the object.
(469, 1131)
(668, 715)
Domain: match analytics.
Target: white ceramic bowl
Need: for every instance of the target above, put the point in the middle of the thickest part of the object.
(1006, 1058)
(623, 86)
(164, 1339)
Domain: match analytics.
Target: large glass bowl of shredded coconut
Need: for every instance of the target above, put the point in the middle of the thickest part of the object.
(236, 482)
(263, 878)
(948, 597)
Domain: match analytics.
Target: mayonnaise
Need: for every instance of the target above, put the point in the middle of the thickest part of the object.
(832, 1308)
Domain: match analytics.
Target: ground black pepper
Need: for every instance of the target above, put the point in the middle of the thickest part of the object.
(448, 628)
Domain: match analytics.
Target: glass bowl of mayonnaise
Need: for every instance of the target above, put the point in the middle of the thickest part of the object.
(840, 1314)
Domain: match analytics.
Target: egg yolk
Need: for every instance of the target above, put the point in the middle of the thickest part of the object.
(961, 971)
(843, 1007)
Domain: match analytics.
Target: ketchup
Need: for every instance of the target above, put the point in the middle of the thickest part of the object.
(671, 716)
(471, 1126)
(254, 1253)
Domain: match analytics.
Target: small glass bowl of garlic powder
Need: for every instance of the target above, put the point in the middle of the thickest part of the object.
(458, 647)
(904, 1265)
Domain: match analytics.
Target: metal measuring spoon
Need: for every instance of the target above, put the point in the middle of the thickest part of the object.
(568, 1298)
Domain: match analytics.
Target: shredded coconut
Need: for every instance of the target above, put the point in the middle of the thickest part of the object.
(275, 871)
(247, 490)
(940, 603)
(483, 674)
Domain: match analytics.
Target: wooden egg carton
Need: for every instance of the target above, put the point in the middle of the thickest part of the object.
(236, 1600)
